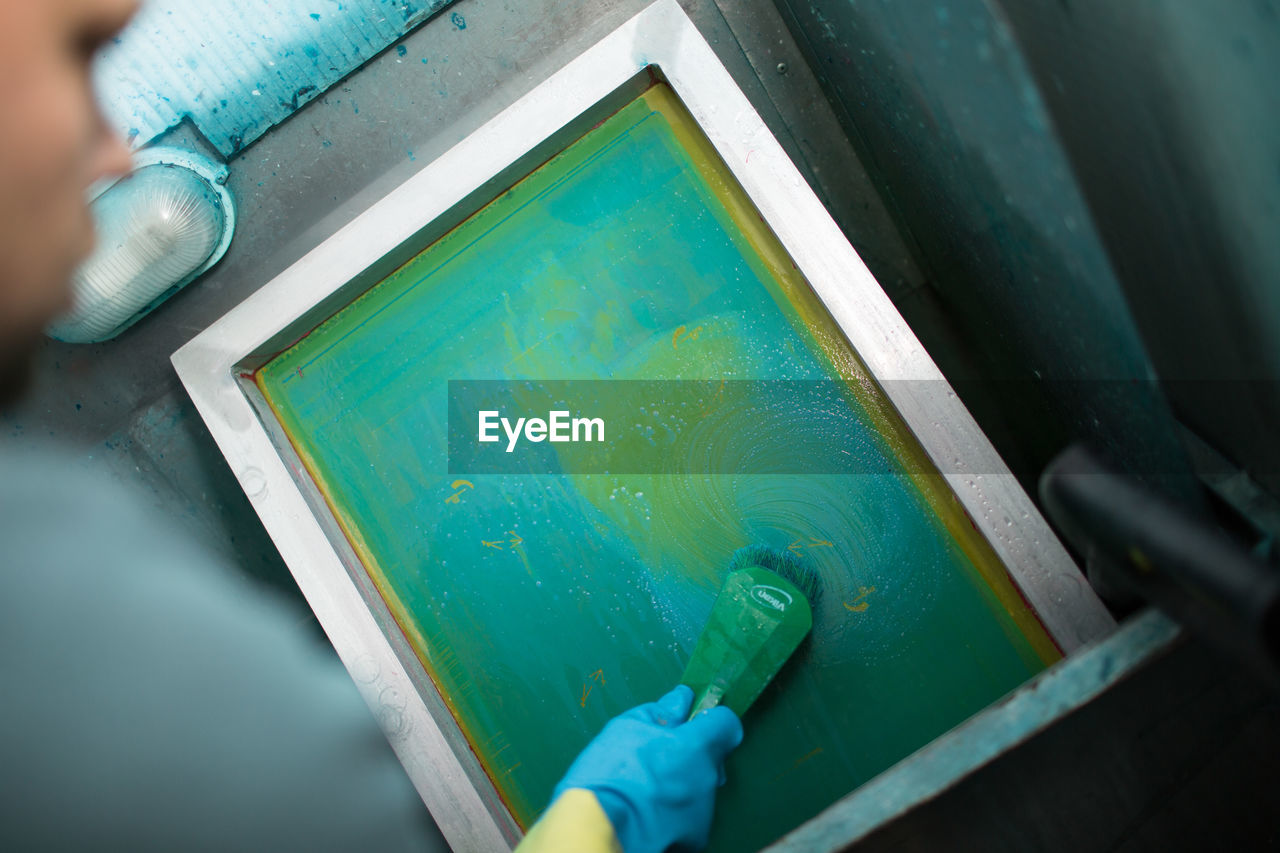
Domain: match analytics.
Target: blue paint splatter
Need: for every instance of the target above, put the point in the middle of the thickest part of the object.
(412, 158)
(280, 56)
(424, 60)
(458, 21)
(293, 104)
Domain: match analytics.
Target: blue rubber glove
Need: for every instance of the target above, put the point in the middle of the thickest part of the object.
(655, 775)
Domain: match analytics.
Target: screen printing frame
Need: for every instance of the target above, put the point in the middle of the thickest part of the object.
(660, 43)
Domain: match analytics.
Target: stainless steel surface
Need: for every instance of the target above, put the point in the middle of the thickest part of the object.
(450, 188)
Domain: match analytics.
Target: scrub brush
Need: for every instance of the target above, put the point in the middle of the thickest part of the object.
(763, 612)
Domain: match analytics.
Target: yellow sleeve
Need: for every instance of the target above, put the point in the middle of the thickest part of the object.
(575, 823)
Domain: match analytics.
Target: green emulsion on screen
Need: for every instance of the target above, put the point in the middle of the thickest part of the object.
(542, 605)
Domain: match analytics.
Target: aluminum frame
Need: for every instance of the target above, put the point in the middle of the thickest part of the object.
(216, 368)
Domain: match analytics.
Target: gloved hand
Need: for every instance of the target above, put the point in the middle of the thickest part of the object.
(655, 775)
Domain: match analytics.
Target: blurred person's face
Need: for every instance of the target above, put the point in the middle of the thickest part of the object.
(53, 145)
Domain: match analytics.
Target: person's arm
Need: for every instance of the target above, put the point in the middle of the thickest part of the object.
(646, 782)
(157, 700)
(575, 823)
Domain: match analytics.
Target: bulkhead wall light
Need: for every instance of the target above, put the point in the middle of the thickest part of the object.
(159, 228)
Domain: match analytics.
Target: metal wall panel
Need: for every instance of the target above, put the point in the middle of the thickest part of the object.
(1170, 114)
(946, 115)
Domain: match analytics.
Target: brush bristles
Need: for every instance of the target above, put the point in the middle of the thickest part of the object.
(782, 563)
